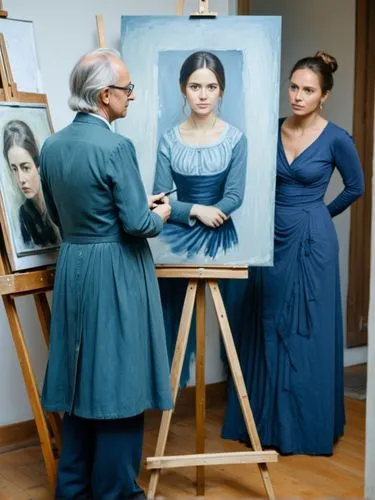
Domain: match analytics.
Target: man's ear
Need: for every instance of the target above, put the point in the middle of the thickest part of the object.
(104, 96)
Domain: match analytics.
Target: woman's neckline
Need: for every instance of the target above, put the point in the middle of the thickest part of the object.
(301, 153)
(219, 140)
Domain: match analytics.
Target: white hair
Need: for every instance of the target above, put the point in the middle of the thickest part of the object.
(92, 72)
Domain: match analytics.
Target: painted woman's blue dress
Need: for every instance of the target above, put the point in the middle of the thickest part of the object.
(290, 343)
(214, 175)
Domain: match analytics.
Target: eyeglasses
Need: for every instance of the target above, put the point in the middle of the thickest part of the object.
(128, 89)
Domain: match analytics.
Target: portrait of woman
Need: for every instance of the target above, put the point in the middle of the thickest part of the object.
(21, 154)
(205, 159)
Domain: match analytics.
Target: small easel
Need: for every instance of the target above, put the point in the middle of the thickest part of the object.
(195, 295)
(34, 283)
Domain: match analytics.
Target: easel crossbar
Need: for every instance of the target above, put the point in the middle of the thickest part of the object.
(243, 457)
(209, 272)
(28, 282)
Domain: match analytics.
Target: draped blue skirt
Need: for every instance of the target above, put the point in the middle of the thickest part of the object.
(290, 339)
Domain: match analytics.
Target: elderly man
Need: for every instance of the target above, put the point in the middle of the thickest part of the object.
(108, 359)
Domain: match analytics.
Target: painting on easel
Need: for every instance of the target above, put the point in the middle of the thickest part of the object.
(20, 43)
(205, 123)
(31, 237)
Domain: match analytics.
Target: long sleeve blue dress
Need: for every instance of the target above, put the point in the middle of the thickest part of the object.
(212, 174)
(290, 342)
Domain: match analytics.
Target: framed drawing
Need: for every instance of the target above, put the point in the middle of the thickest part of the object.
(233, 176)
(31, 238)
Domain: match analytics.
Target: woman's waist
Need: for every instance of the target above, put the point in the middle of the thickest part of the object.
(207, 199)
(298, 203)
(206, 190)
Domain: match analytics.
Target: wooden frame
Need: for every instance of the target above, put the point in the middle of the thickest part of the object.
(363, 132)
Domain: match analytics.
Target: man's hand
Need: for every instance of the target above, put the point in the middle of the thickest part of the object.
(163, 210)
(160, 198)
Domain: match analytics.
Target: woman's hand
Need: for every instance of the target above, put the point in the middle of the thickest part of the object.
(160, 198)
(209, 216)
(163, 210)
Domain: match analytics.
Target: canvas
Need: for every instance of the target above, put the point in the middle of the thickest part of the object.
(20, 43)
(154, 49)
(30, 236)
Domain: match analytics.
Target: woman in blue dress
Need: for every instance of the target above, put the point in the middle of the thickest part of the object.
(291, 340)
(205, 158)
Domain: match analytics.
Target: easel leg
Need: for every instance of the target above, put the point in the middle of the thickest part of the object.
(178, 359)
(44, 314)
(200, 392)
(239, 382)
(31, 387)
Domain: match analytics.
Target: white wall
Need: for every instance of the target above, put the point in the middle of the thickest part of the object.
(64, 31)
(370, 401)
(306, 28)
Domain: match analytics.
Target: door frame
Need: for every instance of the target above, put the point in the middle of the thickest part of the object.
(363, 134)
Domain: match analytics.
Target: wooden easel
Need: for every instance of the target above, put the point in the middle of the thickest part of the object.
(34, 283)
(195, 295)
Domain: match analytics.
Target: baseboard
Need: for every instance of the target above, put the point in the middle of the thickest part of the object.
(17, 435)
(23, 434)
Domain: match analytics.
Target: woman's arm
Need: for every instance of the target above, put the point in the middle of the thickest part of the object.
(163, 182)
(235, 183)
(348, 164)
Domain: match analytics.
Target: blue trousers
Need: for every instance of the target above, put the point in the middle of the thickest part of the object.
(100, 459)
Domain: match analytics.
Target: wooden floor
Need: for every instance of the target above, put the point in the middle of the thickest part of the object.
(22, 474)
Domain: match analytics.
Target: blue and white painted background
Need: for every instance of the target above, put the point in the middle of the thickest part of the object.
(153, 48)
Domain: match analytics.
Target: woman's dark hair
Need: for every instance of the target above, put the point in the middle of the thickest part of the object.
(18, 133)
(199, 60)
(321, 64)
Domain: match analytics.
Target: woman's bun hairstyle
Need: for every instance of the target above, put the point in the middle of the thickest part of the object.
(328, 60)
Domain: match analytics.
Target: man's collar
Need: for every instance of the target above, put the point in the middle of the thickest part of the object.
(100, 118)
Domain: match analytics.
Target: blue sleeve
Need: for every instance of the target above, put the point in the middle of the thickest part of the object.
(129, 193)
(235, 182)
(180, 211)
(47, 194)
(348, 164)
